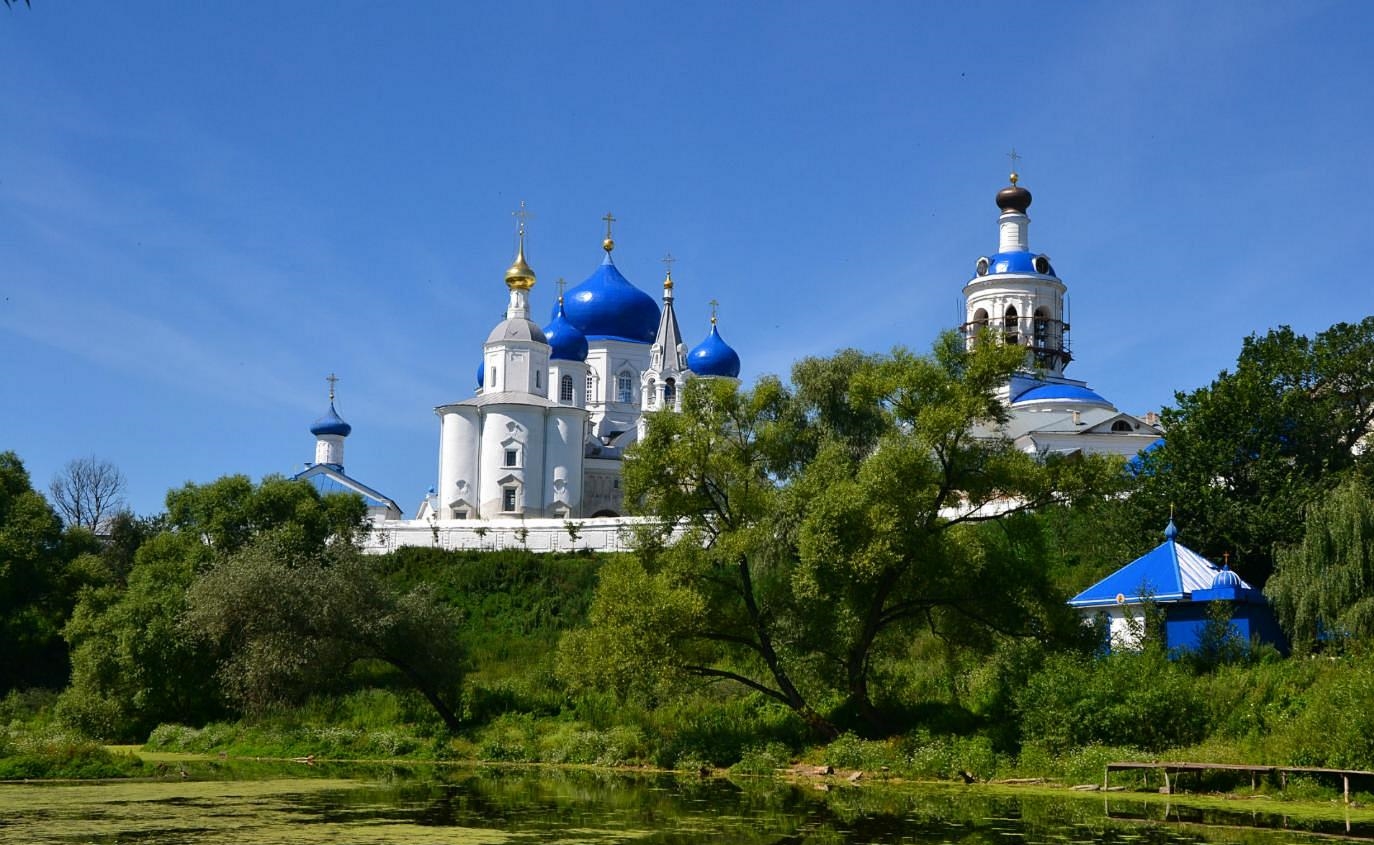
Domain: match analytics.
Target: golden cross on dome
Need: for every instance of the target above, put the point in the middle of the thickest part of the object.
(522, 214)
(714, 305)
(1014, 159)
(331, 378)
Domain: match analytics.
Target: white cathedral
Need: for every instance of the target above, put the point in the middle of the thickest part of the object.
(533, 458)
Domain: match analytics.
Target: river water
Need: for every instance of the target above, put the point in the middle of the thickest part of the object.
(462, 806)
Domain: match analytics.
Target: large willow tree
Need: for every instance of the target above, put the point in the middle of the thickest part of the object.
(1323, 586)
(820, 525)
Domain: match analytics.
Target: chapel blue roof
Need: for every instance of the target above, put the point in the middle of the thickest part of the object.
(566, 341)
(714, 357)
(1060, 392)
(1170, 572)
(481, 373)
(607, 307)
(331, 423)
(1019, 261)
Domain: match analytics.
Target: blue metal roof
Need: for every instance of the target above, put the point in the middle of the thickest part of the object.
(566, 341)
(1136, 463)
(607, 307)
(331, 423)
(714, 357)
(1020, 261)
(1061, 393)
(1171, 572)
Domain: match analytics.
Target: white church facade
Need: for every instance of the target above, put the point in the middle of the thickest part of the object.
(533, 458)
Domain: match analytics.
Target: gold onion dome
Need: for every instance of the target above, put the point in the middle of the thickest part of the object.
(519, 276)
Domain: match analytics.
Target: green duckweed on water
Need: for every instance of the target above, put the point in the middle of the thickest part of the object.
(381, 804)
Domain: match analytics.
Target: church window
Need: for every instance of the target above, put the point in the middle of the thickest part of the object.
(512, 458)
(653, 387)
(1010, 324)
(459, 513)
(508, 499)
(624, 390)
(1121, 425)
(492, 380)
(538, 379)
(1042, 328)
(669, 393)
(565, 389)
(591, 387)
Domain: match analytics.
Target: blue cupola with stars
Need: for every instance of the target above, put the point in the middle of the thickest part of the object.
(566, 341)
(607, 307)
(713, 356)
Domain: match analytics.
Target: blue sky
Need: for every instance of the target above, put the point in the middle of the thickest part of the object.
(207, 208)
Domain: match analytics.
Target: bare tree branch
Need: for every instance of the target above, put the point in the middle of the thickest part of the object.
(88, 492)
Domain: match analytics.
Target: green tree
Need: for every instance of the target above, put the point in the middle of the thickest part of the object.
(1323, 586)
(133, 664)
(816, 526)
(42, 569)
(291, 623)
(1244, 456)
(132, 668)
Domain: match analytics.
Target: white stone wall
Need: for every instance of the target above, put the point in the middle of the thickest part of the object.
(541, 535)
(458, 467)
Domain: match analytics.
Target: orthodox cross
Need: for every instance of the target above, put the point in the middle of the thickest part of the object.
(331, 378)
(714, 305)
(1014, 159)
(668, 259)
(609, 218)
(561, 284)
(522, 214)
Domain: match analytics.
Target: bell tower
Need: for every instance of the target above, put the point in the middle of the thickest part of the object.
(1015, 294)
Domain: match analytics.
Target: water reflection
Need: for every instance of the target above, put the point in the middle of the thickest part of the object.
(460, 805)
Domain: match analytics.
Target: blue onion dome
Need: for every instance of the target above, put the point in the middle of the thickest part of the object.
(481, 373)
(1227, 579)
(1016, 261)
(714, 357)
(1170, 530)
(566, 341)
(331, 423)
(607, 307)
(1059, 394)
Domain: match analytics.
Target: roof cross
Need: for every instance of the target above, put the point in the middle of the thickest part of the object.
(609, 218)
(1014, 159)
(331, 378)
(668, 260)
(714, 305)
(522, 214)
(561, 284)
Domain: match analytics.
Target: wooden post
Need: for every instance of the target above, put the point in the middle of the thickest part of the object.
(1345, 777)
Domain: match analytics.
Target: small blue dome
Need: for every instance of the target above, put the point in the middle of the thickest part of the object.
(607, 307)
(331, 423)
(1227, 579)
(1018, 262)
(481, 373)
(714, 357)
(566, 341)
(1060, 393)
